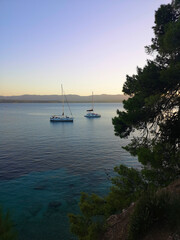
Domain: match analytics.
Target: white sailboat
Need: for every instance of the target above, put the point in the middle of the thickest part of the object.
(91, 113)
(62, 117)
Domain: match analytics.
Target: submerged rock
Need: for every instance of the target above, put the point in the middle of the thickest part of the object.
(54, 204)
(35, 209)
(53, 208)
(40, 187)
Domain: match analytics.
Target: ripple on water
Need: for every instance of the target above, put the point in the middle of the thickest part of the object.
(45, 166)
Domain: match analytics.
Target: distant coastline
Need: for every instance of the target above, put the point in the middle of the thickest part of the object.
(103, 98)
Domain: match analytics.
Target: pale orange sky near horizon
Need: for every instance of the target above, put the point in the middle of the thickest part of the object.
(86, 46)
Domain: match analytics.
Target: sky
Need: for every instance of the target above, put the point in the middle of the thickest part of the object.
(86, 45)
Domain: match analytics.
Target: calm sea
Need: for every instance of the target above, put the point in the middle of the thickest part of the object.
(45, 166)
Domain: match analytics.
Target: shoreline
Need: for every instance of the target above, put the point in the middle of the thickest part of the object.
(20, 101)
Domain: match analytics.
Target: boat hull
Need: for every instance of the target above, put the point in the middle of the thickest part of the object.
(61, 119)
(94, 115)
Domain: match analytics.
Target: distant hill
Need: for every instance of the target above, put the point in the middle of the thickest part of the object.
(58, 98)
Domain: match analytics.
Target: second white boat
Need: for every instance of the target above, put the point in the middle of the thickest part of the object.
(91, 113)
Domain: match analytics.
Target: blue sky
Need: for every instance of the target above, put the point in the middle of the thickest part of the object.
(87, 45)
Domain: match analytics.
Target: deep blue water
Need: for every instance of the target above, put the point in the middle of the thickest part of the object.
(44, 166)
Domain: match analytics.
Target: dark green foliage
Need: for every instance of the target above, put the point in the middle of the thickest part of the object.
(128, 185)
(154, 210)
(88, 226)
(7, 231)
(153, 108)
(174, 215)
(79, 225)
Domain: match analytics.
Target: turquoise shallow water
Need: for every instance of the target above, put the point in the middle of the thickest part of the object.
(44, 166)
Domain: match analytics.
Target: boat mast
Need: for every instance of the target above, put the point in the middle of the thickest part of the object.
(92, 102)
(62, 100)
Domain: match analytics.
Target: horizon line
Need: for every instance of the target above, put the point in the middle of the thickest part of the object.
(60, 95)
